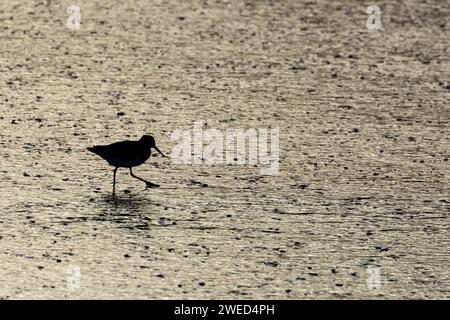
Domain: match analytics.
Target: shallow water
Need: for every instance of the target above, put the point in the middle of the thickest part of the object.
(360, 205)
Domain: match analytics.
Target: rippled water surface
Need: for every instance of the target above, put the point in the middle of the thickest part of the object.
(360, 205)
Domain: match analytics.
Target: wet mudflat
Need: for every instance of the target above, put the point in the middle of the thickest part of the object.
(360, 205)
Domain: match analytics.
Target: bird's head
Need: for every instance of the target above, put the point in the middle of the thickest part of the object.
(149, 142)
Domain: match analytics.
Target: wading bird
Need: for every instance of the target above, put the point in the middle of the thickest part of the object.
(127, 154)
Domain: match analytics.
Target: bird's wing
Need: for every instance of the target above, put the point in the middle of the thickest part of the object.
(128, 148)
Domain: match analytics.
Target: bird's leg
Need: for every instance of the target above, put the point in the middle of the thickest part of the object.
(114, 182)
(148, 184)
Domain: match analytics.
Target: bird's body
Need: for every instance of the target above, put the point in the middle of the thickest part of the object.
(127, 154)
(123, 154)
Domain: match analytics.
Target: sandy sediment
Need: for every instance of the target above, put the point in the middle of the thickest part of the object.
(358, 209)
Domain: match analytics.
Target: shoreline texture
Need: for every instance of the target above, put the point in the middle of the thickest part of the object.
(359, 207)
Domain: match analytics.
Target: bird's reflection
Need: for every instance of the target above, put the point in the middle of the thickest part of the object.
(131, 212)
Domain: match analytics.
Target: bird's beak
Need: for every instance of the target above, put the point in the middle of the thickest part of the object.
(156, 148)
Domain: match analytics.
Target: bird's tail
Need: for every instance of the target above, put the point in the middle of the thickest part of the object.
(93, 149)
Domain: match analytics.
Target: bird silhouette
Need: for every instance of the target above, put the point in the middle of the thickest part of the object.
(127, 154)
